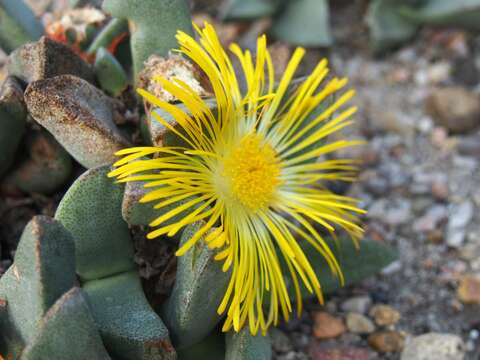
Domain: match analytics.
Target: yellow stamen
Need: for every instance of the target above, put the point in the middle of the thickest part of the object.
(251, 172)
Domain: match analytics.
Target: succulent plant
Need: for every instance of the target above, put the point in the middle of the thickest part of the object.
(69, 315)
(393, 22)
(191, 311)
(44, 169)
(111, 287)
(40, 302)
(18, 25)
(110, 74)
(299, 22)
(153, 25)
(13, 115)
(76, 274)
(78, 115)
(304, 22)
(104, 258)
(45, 59)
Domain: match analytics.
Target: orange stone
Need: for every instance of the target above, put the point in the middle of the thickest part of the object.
(327, 326)
(469, 289)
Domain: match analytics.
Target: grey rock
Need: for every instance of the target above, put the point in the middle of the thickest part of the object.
(280, 341)
(434, 346)
(357, 304)
(470, 146)
(460, 215)
(47, 58)
(79, 116)
(391, 211)
(359, 324)
(455, 237)
(454, 108)
(431, 219)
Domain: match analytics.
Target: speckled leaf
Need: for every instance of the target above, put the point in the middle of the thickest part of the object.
(18, 24)
(79, 116)
(110, 74)
(91, 211)
(304, 22)
(13, 115)
(244, 346)
(46, 167)
(388, 27)
(462, 13)
(43, 270)
(211, 348)
(153, 25)
(67, 332)
(249, 9)
(191, 311)
(47, 58)
(129, 327)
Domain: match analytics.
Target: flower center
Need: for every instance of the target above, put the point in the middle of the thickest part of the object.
(252, 172)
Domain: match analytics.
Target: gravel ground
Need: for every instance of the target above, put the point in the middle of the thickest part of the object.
(420, 113)
(419, 183)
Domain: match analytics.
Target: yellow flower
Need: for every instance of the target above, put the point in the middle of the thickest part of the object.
(250, 173)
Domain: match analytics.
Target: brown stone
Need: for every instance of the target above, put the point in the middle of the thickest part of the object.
(455, 108)
(327, 326)
(384, 315)
(387, 341)
(469, 289)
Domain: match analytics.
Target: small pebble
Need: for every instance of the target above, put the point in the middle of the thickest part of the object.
(384, 315)
(440, 191)
(357, 304)
(387, 341)
(359, 324)
(468, 290)
(327, 326)
(280, 341)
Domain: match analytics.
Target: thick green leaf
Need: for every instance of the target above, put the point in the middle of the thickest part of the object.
(462, 13)
(211, 348)
(191, 310)
(153, 25)
(129, 327)
(43, 270)
(45, 168)
(18, 25)
(249, 9)
(356, 264)
(13, 115)
(245, 346)
(112, 31)
(304, 22)
(92, 211)
(388, 26)
(110, 74)
(67, 332)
